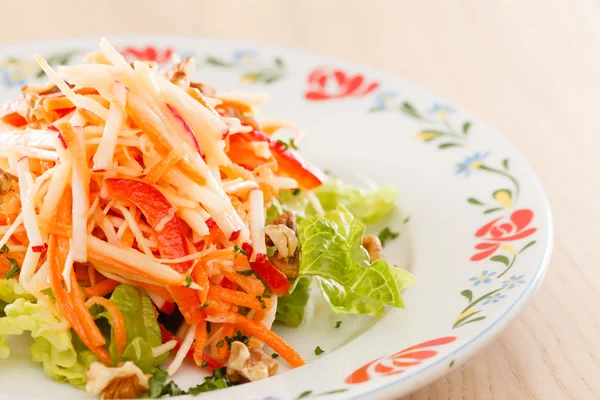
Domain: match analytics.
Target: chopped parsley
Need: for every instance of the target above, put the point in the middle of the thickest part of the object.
(296, 191)
(283, 144)
(208, 327)
(188, 281)
(319, 351)
(291, 145)
(203, 364)
(338, 324)
(274, 355)
(4, 249)
(203, 306)
(246, 272)
(239, 337)
(238, 250)
(14, 268)
(159, 386)
(387, 234)
(220, 343)
(214, 382)
(262, 302)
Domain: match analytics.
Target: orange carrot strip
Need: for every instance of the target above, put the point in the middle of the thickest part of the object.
(164, 165)
(262, 333)
(216, 306)
(201, 278)
(118, 323)
(200, 342)
(162, 146)
(235, 297)
(54, 227)
(128, 238)
(101, 289)
(58, 103)
(84, 315)
(223, 348)
(102, 259)
(249, 284)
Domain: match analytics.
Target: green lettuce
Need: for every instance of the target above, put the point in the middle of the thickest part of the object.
(52, 343)
(290, 308)
(143, 331)
(10, 291)
(331, 249)
(368, 205)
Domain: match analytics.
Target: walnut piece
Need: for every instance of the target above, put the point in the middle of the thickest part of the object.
(180, 72)
(281, 232)
(249, 364)
(373, 246)
(126, 381)
(8, 183)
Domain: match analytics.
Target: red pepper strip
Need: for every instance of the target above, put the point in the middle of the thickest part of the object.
(289, 162)
(10, 113)
(228, 284)
(171, 240)
(167, 336)
(276, 280)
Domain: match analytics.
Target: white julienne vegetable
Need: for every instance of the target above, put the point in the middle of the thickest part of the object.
(78, 100)
(29, 215)
(164, 348)
(194, 220)
(29, 265)
(66, 273)
(114, 123)
(57, 186)
(186, 345)
(257, 223)
(81, 206)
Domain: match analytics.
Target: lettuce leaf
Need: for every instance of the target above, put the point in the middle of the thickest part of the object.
(368, 205)
(10, 291)
(52, 345)
(143, 332)
(290, 308)
(345, 301)
(331, 249)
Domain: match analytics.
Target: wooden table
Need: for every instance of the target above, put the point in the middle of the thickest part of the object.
(529, 68)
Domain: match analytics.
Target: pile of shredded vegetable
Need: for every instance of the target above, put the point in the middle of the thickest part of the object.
(116, 176)
(127, 175)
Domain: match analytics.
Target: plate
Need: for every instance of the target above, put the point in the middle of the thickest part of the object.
(475, 226)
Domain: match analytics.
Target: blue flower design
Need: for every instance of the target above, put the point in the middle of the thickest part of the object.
(494, 298)
(244, 56)
(485, 277)
(440, 109)
(384, 99)
(513, 281)
(12, 77)
(470, 163)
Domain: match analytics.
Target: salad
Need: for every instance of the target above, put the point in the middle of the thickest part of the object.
(147, 221)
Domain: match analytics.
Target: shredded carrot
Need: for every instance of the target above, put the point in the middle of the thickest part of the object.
(164, 165)
(201, 278)
(235, 297)
(162, 146)
(118, 323)
(81, 271)
(52, 227)
(90, 117)
(127, 239)
(200, 342)
(101, 289)
(249, 284)
(264, 334)
(84, 315)
(59, 103)
(223, 349)
(216, 306)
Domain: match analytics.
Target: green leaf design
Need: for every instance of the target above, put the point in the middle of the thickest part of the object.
(406, 220)
(428, 135)
(501, 259)
(217, 62)
(528, 245)
(304, 394)
(473, 200)
(468, 322)
(505, 163)
(466, 126)
(452, 363)
(468, 294)
(279, 63)
(491, 210)
(408, 109)
(461, 321)
(448, 145)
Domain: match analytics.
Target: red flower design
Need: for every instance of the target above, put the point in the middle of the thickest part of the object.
(495, 232)
(149, 53)
(325, 85)
(398, 362)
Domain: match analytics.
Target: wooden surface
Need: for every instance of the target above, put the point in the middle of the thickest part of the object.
(529, 68)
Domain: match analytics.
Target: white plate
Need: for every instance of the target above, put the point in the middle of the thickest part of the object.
(475, 225)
